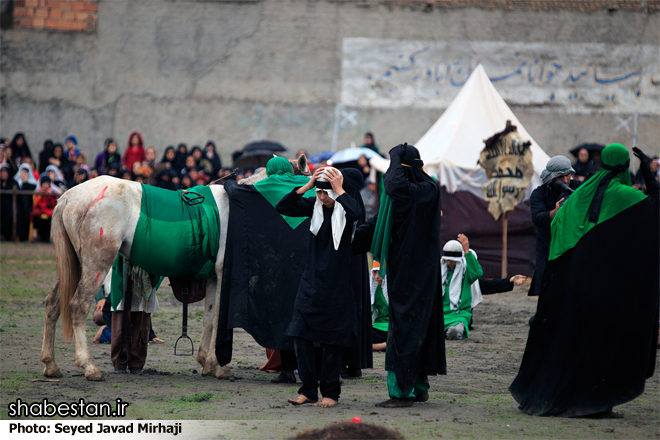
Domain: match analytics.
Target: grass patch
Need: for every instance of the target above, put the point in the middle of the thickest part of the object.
(197, 397)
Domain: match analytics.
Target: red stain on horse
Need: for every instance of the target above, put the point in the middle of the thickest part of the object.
(96, 281)
(97, 199)
(102, 234)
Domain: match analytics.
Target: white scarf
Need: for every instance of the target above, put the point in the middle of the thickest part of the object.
(338, 218)
(476, 288)
(456, 283)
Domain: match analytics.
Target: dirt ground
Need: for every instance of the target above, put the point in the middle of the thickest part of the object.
(472, 401)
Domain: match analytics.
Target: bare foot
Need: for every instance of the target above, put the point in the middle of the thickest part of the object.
(326, 402)
(300, 400)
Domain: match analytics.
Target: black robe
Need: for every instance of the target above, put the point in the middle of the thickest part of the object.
(361, 355)
(264, 260)
(593, 340)
(415, 341)
(542, 201)
(324, 310)
(497, 285)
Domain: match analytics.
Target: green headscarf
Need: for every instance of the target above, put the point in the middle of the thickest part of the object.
(572, 221)
(281, 181)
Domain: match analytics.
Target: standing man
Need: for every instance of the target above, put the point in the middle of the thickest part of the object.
(324, 311)
(544, 204)
(407, 245)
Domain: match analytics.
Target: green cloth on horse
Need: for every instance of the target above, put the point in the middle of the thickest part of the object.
(282, 181)
(178, 233)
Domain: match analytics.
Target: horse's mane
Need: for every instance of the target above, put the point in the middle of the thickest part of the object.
(253, 178)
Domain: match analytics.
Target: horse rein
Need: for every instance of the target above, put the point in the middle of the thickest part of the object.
(194, 198)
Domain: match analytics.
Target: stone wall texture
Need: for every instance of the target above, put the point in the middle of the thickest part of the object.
(239, 71)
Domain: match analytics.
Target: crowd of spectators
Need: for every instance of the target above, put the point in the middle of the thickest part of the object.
(588, 163)
(61, 166)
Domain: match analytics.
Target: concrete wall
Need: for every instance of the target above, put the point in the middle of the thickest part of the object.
(187, 71)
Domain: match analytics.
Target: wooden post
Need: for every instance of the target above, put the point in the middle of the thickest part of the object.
(505, 221)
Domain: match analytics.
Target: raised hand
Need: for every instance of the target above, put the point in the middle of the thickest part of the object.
(336, 179)
(642, 157)
(462, 238)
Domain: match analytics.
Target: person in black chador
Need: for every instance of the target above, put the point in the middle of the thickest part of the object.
(324, 310)
(406, 242)
(594, 339)
(544, 204)
(356, 358)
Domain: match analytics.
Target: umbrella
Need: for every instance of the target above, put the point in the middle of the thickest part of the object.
(320, 157)
(352, 154)
(263, 145)
(591, 148)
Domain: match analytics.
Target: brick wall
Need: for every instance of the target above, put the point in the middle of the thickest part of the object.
(65, 15)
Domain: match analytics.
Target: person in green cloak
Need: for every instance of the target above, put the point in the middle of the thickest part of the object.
(279, 182)
(460, 269)
(601, 277)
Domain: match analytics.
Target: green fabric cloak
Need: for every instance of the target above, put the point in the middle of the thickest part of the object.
(571, 222)
(281, 181)
(473, 272)
(382, 308)
(380, 246)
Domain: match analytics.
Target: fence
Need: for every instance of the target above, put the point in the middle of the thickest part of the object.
(15, 193)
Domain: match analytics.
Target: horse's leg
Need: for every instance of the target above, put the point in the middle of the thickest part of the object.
(205, 345)
(48, 344)
(96, 262)
(211, 365)
(83, 299)
(212, 303)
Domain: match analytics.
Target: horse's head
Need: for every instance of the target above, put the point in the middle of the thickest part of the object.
(300, 166)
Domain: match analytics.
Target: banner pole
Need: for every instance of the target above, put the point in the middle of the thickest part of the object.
(505, 221)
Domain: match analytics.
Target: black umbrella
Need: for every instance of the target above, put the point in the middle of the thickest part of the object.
(591, 148)
(263, 145)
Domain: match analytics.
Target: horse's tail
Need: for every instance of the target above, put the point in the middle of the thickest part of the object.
(68, 265)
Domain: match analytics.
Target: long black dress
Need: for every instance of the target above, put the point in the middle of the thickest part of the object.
(542, 201)
(324, 310)
(264, 260)
(593, 341)
(415, 342)
(361, 355)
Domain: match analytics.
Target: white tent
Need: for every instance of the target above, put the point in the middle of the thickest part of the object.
(451, 147)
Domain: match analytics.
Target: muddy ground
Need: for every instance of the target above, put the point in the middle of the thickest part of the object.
(472, 401)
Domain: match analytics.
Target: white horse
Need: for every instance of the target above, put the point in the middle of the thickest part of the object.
(92, 222)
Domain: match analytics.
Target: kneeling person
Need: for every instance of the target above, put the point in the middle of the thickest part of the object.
(460, 269)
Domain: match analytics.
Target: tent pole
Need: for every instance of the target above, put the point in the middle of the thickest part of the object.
(505, 221)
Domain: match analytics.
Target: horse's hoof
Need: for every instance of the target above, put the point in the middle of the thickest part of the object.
(224, 373)
(55, 373)
(96, 376)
